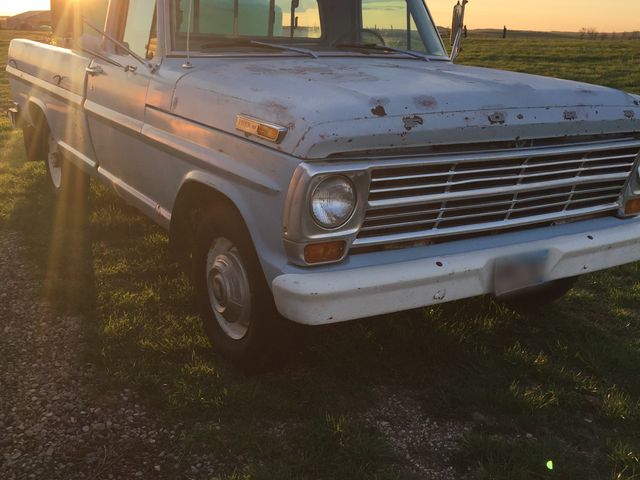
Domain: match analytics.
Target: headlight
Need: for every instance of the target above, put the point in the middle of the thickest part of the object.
(333, 202)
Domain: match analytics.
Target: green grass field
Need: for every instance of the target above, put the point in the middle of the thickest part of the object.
(560, 385)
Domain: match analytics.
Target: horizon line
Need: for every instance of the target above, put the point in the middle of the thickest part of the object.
(497, 28)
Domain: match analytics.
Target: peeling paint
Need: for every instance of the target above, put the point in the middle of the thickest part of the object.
(426, 101)
(412, 122)
(379, 111)
(570, 115)
(497, 117)
(375, 101)
(629, 114)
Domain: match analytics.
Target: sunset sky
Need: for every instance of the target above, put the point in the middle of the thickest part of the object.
(568, 15)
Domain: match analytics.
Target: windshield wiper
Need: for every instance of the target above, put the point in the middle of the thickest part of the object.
(382, 48)
(251, 43)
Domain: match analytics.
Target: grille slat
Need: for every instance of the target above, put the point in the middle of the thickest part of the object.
(578, 172)
(440, 197)
(518, 168)
(479, 193)
(559, 206)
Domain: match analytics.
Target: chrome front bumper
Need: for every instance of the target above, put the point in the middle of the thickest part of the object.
(319, 298)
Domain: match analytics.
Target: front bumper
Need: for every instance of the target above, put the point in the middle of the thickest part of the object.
(318, 298)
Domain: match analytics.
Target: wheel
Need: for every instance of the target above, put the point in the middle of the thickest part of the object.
(235, 302)
(536, 297)
(66, 181)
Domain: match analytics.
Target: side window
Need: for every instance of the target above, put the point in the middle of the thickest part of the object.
(392, 23)
(95, 11)
(140, 27)
(306, 19)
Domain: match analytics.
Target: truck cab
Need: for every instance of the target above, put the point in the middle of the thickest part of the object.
(319, 161)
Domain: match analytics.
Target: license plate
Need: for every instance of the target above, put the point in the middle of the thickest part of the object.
(519, 272)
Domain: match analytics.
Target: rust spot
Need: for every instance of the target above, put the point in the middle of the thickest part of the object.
(570, 115)
(497, 117)
(629, 114)
(426, 102)
(412, 122)
(379, 111)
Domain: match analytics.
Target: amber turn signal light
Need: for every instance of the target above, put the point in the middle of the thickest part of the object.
(324, 252)
(265, 130)
(632, 207)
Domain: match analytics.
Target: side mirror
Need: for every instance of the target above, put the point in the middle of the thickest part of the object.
(457, 28)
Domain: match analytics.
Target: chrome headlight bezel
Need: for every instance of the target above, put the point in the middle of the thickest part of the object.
(299, 226)
(631, 190)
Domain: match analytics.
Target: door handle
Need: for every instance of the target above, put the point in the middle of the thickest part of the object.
(95, 70)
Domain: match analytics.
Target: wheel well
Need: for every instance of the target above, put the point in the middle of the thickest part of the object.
(193, 199)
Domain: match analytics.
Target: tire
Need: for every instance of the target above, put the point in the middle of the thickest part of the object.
(66, 181)
(249, 332)
(538, 297)
(35, 142)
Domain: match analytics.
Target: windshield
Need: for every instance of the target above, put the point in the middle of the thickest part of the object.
(357, 26)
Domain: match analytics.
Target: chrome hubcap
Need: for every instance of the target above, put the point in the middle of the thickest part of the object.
(229, 289)
(55, 164)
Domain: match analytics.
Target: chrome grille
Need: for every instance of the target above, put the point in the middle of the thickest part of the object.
(453, 195)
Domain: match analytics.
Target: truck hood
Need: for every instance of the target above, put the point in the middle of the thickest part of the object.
(341, 105)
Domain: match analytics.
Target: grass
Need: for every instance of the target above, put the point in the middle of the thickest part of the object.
(562, 385)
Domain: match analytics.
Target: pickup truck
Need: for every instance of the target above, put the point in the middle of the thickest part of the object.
(319, 161)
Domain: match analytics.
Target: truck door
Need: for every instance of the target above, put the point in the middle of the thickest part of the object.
(116, 95)
(65, 68)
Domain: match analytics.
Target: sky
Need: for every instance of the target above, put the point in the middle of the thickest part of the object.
(564, 15)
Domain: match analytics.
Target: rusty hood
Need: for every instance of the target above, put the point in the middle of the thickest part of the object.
(340, 105)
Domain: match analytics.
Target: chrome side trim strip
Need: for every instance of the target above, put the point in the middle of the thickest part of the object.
(44, 85)
(152, 209)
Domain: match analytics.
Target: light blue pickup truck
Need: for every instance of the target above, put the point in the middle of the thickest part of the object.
(318, 161)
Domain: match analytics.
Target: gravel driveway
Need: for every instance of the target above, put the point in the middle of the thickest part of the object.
(52, 424)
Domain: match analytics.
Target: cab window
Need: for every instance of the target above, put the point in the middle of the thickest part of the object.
(248, 18)
(95, 11)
